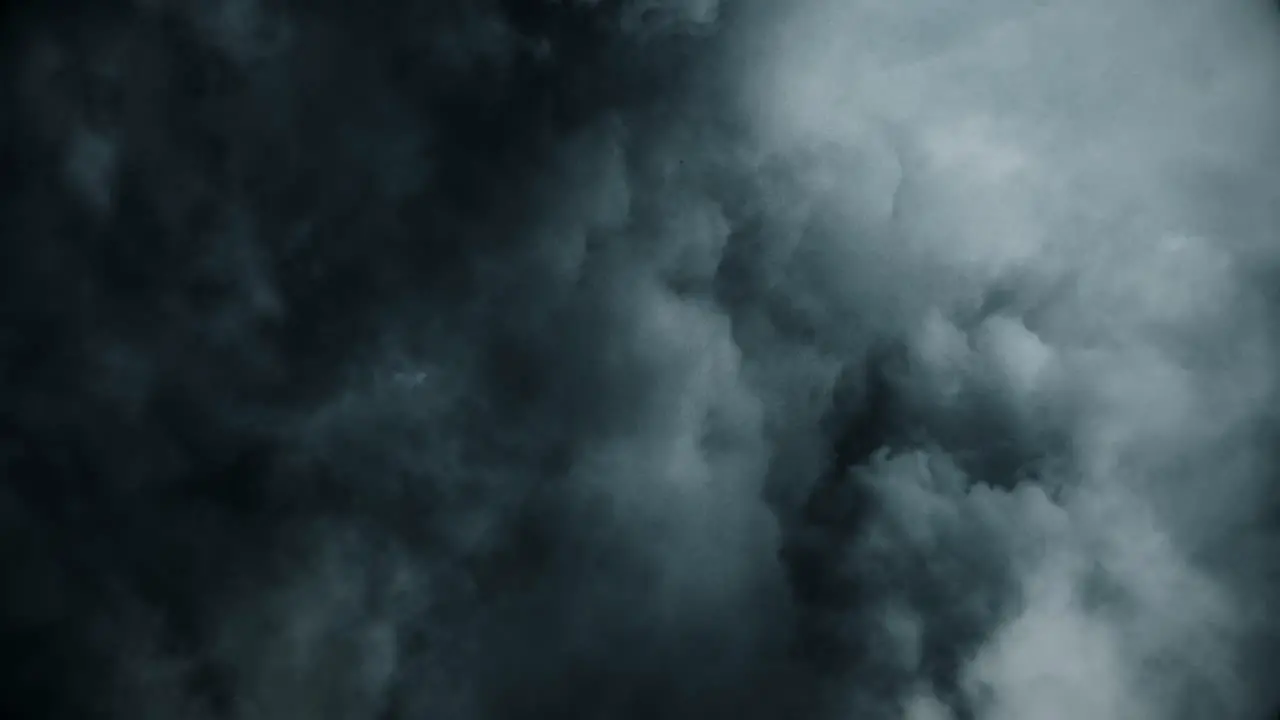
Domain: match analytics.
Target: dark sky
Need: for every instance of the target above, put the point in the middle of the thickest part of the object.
(595, 359)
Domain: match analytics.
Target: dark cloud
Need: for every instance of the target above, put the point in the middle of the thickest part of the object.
(622, 358)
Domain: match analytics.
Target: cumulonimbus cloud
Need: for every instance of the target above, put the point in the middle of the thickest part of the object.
(626, 358)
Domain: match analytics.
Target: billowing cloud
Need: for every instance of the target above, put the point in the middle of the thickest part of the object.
(661, 358)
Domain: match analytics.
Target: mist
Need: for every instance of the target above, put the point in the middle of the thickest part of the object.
(839, 359)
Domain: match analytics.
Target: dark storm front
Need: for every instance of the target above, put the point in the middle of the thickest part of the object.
(638, 359)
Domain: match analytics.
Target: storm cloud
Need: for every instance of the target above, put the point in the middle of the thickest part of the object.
(639, 358)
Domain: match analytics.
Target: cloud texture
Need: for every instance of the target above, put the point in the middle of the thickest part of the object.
(639, 358)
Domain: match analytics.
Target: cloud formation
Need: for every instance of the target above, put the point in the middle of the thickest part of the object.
(630, 359)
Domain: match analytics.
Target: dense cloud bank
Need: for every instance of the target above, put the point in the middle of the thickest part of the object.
(639, 359)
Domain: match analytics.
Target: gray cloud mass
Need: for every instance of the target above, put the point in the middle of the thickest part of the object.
(836, 359)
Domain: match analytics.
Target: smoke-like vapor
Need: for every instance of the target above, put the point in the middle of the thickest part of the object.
(639, 358)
